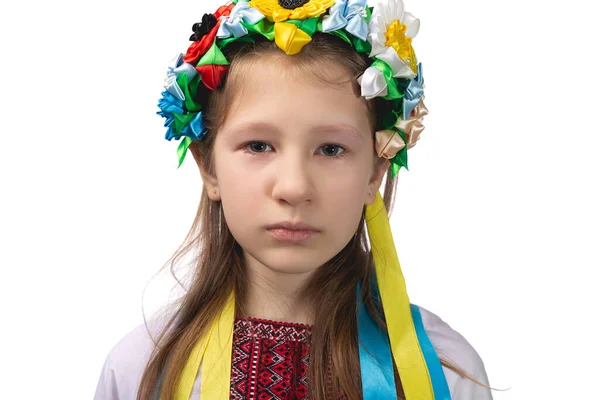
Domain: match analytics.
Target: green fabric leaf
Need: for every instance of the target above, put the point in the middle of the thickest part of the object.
(193, 86)
(181, 120)
(362, 46)
(182, 81)
(213, 56)
(389, 120)
(341, 34)
(182, 149)
(399, 161)
(263, 27)
(393, 90)
(224, 42)
(308, 25)
(395, 169)
(401, 158)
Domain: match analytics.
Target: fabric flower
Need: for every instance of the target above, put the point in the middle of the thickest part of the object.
(198, 48)
(178, 122)
(231, 25)
(175, 69)
(413, 94)
(413, 125)
(282, 10)
(372, 83)
(378, 81)
(388, 142)
(201, 29)
(350, 14)
(391, 31)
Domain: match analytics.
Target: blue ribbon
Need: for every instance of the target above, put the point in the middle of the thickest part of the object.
(350, 14)
(413, 94)
(169, 105)
(436, 373)
(376, 363)
(176, 68)
(232, 25)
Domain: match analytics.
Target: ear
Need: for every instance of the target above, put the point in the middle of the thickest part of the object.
(210, 181)
(381, 166)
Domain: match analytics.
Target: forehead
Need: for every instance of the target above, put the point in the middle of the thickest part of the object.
(269, 93)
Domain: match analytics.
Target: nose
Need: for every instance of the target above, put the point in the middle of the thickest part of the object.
(293, 181)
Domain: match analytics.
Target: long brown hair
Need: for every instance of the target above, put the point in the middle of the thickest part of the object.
(218, 262)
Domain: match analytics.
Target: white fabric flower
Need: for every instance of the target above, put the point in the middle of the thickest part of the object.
(391, 31)
(372, 83)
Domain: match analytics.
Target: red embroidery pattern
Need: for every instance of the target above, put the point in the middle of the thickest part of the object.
(270, 360)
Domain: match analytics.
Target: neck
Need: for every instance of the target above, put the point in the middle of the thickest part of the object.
(275, 295)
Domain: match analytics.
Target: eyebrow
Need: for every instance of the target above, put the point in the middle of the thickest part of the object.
(264, 127)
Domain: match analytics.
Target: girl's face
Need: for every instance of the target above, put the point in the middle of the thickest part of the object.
(291, 150)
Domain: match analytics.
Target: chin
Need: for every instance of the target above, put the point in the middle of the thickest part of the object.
(290, 267)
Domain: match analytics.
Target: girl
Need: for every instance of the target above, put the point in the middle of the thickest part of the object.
(294, 110)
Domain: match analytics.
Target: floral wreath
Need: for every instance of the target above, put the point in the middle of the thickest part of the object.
(384, 32)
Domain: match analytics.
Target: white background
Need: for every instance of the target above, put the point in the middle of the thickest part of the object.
(496, 223)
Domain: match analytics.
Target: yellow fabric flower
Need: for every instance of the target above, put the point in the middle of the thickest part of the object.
(276, 13)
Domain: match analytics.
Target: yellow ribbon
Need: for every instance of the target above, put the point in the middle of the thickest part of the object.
(214, 350)
(214, 353)
(289, 38)
(404, 343)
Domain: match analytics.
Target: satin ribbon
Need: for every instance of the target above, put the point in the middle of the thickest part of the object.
(378, 81)
(376, 365)
(390, 144)
(175, 69)
(383, 16)
(232, 25)
(212, 67)
(438, 379)
(197, 49)
(290, 38)
(213, 351)
(404, 342)
(413, 126)
(377, 371)
(350, 14)
(413, 93)
(276, 13)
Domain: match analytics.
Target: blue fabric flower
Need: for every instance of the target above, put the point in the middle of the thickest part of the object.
(171, 108)
(232, 25)
(169, 105)
(413, 94)
(176, 68)
(350, 14)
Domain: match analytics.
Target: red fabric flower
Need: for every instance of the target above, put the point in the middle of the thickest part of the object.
(197, 49)
(212, 74)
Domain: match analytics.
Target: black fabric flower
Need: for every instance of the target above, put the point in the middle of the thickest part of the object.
(292, 4)
(200, 29)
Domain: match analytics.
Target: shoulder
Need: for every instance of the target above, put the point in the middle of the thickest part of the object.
(452, 346)
(125, 364)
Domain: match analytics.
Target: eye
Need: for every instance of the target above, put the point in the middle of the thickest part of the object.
(331, 150)
(257, 147)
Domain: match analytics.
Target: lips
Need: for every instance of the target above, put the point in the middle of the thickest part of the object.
(293, 225)
(292, 235)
